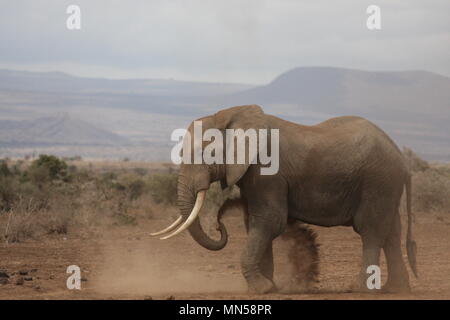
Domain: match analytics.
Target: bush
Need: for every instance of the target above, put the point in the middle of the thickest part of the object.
(8, 193)
(4, 170)
(430, 183)
(431, 190)
(20, 226)
(131, 184)
(9, 186)
(47, 168)
(163, 188)
(38, 199)
(415, 163)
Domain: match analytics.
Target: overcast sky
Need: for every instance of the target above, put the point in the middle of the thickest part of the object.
(228, 41)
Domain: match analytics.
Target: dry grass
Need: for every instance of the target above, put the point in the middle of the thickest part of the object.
(56, 197)
(430, 183)
(53, 196)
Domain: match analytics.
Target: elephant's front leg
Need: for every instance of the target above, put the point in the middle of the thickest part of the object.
(257, 258)
(267, 212)
(266, 266)
(256, 264)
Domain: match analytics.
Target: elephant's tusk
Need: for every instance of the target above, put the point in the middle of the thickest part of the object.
(197, 207)
(169, 228)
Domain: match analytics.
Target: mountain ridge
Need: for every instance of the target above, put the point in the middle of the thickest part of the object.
(412, 106)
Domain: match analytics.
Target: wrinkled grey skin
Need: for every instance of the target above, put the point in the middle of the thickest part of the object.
(342, 172)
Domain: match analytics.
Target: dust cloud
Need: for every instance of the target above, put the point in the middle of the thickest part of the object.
(298, 266)
(148, 270)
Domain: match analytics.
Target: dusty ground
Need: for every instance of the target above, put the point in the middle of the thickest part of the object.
(124, 263)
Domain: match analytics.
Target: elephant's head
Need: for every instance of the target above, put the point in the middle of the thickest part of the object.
(195, 178)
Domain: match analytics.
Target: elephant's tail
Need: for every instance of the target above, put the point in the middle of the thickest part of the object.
(411, 247)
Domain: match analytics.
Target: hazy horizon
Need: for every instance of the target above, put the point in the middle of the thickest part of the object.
(168, 78)
(411, 106)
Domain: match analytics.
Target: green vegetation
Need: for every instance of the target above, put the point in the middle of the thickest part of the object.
(431, 184)
(163, 188)
(51, 195)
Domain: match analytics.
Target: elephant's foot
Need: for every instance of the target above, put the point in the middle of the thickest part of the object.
(260, 285)
(389, 287)
(396, 287)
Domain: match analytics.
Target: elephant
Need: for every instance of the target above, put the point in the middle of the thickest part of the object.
(344, 171)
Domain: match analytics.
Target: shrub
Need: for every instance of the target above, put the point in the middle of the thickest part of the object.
(8, 192)
(48, 168)
(21, 221)
(163, 188)
(431, 190)
(430, 184)
(20, 226)
(415, 163)
(4, 170)
(27, 221)
(55, 222)
(131, 184)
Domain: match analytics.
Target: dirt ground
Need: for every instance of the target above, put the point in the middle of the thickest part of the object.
(125, 263)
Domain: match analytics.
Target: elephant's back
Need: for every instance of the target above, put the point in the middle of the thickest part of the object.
(359, 128)
(342, 121)
(362, 141)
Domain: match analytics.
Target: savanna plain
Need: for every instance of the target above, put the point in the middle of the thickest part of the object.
(98, 215)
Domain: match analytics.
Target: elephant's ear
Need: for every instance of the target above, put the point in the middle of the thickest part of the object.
(241, 117)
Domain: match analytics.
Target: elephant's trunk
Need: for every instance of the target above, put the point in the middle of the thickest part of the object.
(186, 200)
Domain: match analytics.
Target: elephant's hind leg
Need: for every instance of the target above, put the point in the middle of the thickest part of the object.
(371, 257)
(373, 222)
(398, 279)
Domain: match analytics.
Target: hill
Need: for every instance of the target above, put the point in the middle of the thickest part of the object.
(56, 130)
(411, 106)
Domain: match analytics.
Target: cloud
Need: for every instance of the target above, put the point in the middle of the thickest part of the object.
(240, 41)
